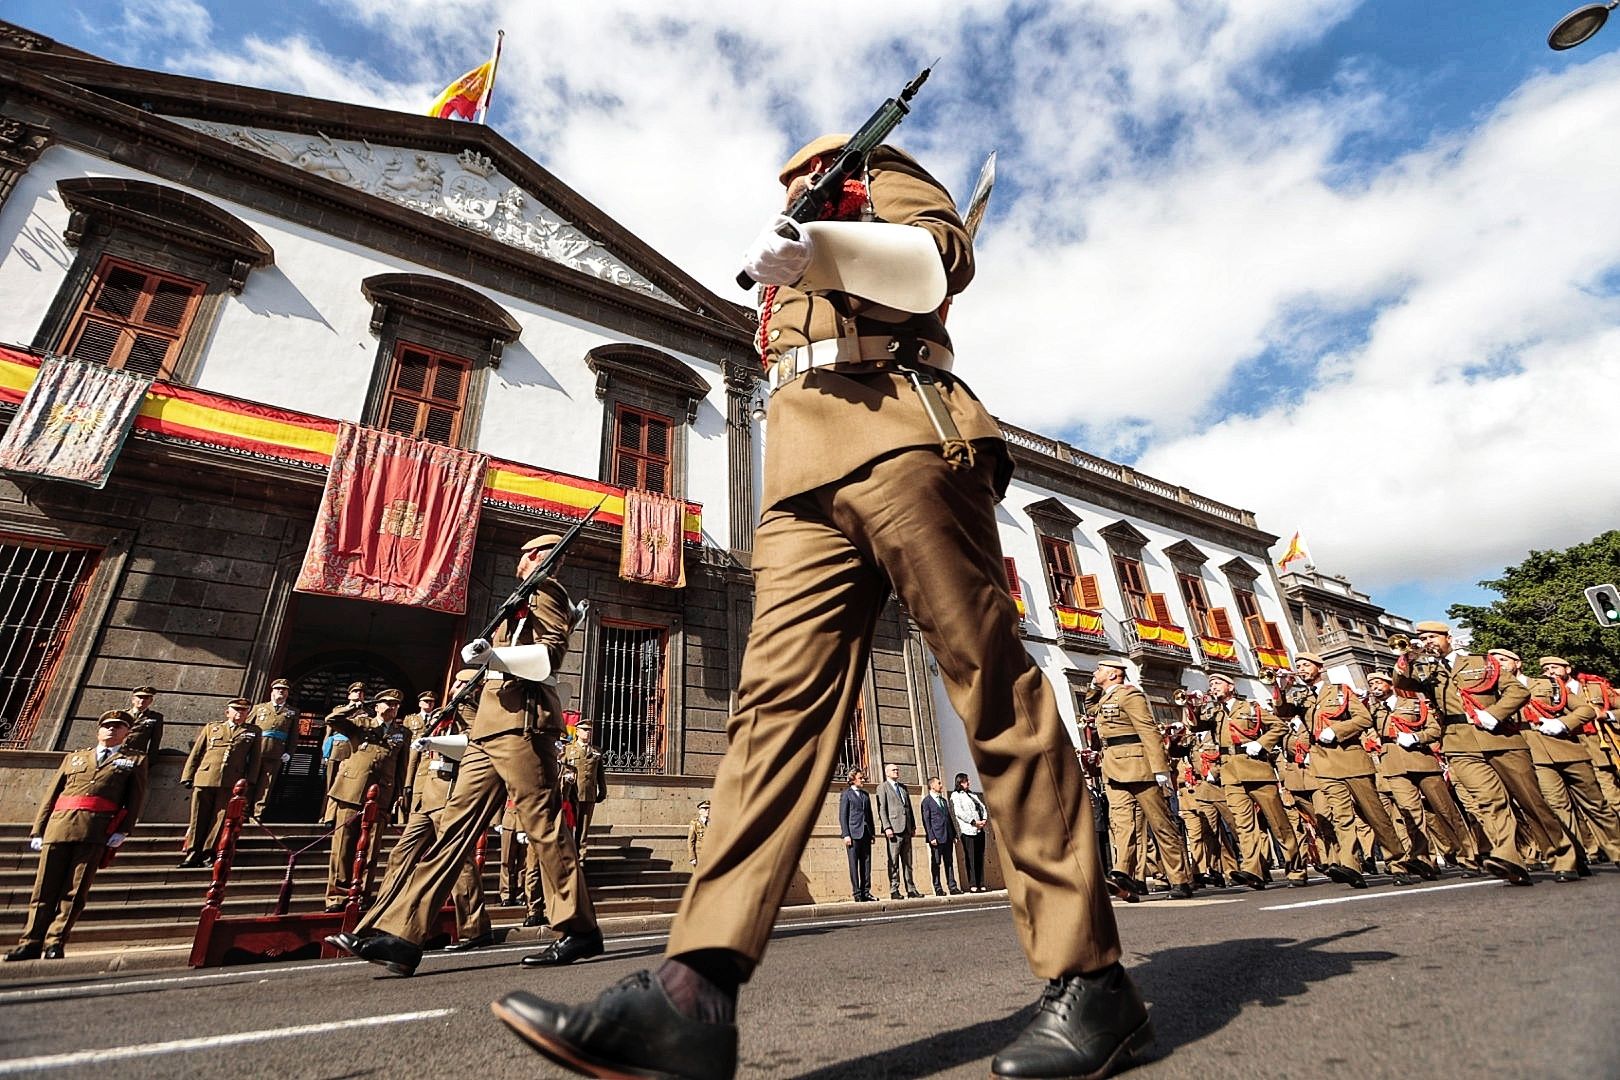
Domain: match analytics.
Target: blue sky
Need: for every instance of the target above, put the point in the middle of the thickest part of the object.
(1340, 263)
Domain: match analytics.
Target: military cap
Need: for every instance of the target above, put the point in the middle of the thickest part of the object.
(1545, 660)
(391, 695)
(467, 674)
(826, 144)
(1384, 675)
(239, 703)
(428, 695)
(1227, 679)
(1509, 653)
(360, 686)
(703, 805)
(1118, 665)
(281, 684)
(117, 715)
(144, 690)
(1430, 626)
(582, 723)
(1312, 657)
(543, 542)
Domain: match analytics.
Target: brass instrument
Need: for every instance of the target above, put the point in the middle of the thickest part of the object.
(1399, 642)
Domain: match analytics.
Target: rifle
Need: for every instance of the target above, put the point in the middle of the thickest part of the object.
(824, 194)
(537, 577)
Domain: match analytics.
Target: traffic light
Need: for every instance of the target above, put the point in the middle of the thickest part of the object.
(1605, 601)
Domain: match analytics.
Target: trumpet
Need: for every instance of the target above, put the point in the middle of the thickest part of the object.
(1399, 643)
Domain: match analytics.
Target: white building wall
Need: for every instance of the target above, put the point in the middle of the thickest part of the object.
(298, 337)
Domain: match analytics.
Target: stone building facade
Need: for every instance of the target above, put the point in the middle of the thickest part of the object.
(1342, 624)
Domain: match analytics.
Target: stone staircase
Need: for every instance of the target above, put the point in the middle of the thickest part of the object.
(143, 897)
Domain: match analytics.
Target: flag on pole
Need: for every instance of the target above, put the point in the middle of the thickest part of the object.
(468, 97)
(1297, 549)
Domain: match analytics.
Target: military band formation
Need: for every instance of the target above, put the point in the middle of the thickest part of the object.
(881, 476)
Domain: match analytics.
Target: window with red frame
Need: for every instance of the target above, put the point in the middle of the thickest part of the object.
(133, 319)
(1133, 581)
(1058, 555)
(641, 450)
(427, 394)
(1197, 600)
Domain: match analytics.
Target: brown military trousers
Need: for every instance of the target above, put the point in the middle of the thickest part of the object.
(345, 839)
(1492, 780)
(421, 829)
(823, 565)
(1571, 790)
(1424, 801)
(1130, 807)
(525, 767)
(1355, 799)
(1254, 802)
(61, 886)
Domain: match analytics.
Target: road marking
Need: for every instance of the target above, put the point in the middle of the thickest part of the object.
(1397, 894)
(119, 1053)
(1171, 905)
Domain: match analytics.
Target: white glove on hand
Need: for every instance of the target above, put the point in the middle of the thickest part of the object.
(35, 843)
(286, 758)
(774, 259)
(1486, 720)
(1163, 779)
(1253, 749)
(1406, 740)
(476, 652)
(523, 838)
(420, 745)
(116, 840)
(1326, 736)
(1296, 724)
(497, 830)
(1552, 727)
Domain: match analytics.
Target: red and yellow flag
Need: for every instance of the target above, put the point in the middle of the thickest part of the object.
(468, 97)
(1296, 550)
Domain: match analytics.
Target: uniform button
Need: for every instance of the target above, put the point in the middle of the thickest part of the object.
(776, 307)
(775, 334)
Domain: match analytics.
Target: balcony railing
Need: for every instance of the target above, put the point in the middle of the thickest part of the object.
(1146, 638)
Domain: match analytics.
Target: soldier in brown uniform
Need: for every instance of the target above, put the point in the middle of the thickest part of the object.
(1136, 772)
(1600, 736)
(1247, 734)
(1411, 735)
(430, 772)
(1209, 800)
(341, 747)
(1554, 717)
(278, 727)
(881, 473)
(89, 809)
(415, 728)
(379, 756)
(1306, 809)
(1478, 712)
(695, 832)
(511, 748)
(146, 724)
(1335, 718)
(225, 751)
(584, 774)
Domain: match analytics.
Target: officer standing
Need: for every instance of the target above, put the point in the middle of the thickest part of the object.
(584, 775)
(278, 727)
(87, 812)
(699, 828)
(416, 725)
(1248, 734)
(380, 749)
(146, 724)
(334, 744)
(224, 752)
(882, 472)
(512, 742)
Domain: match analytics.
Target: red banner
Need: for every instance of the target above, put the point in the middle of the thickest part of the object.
(650, 545)
(397, 521)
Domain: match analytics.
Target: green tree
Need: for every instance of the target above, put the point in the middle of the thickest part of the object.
(1543, 610)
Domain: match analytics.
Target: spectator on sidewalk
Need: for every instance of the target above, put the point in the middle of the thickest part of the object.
(940, 830)
(972, 819)
(855, 826)
(899, 824)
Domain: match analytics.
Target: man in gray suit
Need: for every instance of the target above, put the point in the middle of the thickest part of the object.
(899, 822)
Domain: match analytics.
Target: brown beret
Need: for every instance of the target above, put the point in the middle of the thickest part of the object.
(1509, 653)
(281, 684)
(360, 686)
(239, 703)
(144, 690)
(1312, 657)
(391, 695)
(116, 714)
(545, 541)
(826, 144)
(1430, 626)
(1384, 675)
(468, 674)
(1545, 660)
(1227, 679)
(1111, 662)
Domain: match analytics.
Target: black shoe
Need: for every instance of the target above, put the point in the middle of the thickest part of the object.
(30, 951)
(482, 941)
(955, 891)
(1402, 878)
(1083, 1026)
(913, 894)
(510, 901)
(1510, 872)
(1560, 876)
(394, 953)
(567, 949)
(1369, 865)
(1217, 880)
(939, 892)
(632, 1029)
(1181, 892)
(1119, 883)
(52, 952)
(1583, 870)
(190, 862)
(332, 909)
(1243, 877)
(536, 920)
(1345, 875)
(894, 894)
(1425, 869)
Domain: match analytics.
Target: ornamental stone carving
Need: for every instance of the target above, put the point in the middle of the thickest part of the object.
(466, 190)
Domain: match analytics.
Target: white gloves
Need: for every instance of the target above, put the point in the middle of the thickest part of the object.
(1485, 720)
(1551, 727)
(774, 259)
(1406, 740)
(1297, 724)
(497, 830)
(35, 843)
(1163, 779)
(476, 652)
(1253, 749)
(523, 838)
(1326, 736)
(116, 840)
(286, 758)
(420, 745)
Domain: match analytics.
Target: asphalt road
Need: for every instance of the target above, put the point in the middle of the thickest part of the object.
(1453, 979)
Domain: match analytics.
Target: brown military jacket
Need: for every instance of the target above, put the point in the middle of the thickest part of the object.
(428, 788)
(121, 780)
(1123, 713)
(516, 705)
(378, 757)
(589, 769)
(1395, 715)
(222, 755)
(826, 425)
(145, 733)
(1595, 741)
(1337, 707)
(1573, 710)
(1228, 726)
(694, 838)
(1502, 699)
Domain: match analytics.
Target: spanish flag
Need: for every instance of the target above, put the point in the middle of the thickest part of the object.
(468, 97)
(1296, 550)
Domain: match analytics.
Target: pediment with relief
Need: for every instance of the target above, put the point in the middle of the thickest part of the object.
(466, 190)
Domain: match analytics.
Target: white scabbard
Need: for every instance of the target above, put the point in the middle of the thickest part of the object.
(532, 662)
(897, 266)
(449, 747)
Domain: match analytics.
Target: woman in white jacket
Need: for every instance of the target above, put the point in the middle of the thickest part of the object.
(971, 821)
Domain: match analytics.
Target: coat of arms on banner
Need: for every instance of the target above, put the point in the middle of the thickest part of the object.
(73, 422)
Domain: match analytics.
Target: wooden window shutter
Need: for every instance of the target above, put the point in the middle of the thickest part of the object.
(1158, 609)
(427, 392)
(1220, 623)
(1256, 629)
(1273, 636)
(642, 450)
(133, 319)
(1013, 585)
(1090, 592)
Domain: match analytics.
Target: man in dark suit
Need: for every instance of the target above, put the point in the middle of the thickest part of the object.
(899, 822)
(940, 830)
(855, 826)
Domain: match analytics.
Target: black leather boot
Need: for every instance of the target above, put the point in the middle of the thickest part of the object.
(1085, 1026)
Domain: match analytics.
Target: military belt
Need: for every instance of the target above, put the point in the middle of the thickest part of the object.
(860, 355)
(1121, 740)
(280, 736)
(1237, 751)
(94, 803)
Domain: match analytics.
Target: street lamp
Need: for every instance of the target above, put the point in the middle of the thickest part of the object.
(1579, 25)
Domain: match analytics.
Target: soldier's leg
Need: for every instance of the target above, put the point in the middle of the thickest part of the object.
(1580, 780)
(50, 896)
(340, 860)
(1480, 786)
(534, 882)
(1370, 808)
(1609, 781)
(472, 915)
(1161, 823)
(1124, 822)
(511, 877)
(1268, 800)
(1246, 826)
(267, 779)
(1518, 776)
(1226, 831)
(418, 833)
(1456, 840)
(1326, 835)
(1341, 807)
(83, 861)
(527, 765)
(1409, 816)
(1199, 859)
(201, 822)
